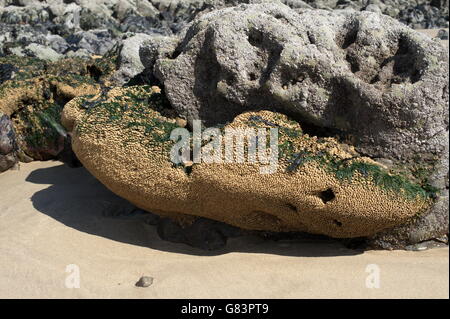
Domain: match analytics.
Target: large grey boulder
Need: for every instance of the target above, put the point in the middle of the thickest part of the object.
(93, 41)
(42, 52)
(363, 76)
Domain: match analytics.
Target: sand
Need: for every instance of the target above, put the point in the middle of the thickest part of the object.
(52, 216)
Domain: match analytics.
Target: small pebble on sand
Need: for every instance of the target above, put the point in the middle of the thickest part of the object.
(144, 282)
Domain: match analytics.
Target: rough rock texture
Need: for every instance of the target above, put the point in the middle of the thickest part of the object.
(144, 281)
(53, 23)
(41, 52)
(158, 47)
(362, 79)
(33, 95)
(8, 145)
(380, 86)
(129, 65)
(93, 41)
(320, 186)
(336, 71)
(418, 14)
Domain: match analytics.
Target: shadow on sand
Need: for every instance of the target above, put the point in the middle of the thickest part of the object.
(76, 199)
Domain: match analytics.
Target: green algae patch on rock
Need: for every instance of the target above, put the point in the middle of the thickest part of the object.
(33, 97)
(123, 138)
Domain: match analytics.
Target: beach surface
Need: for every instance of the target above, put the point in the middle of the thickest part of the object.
(56, 224)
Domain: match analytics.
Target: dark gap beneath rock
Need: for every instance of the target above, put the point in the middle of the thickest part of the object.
(94, 72)
(58, 98)
(188, 170)
(291, 207)
(337, 223)
(319, 131)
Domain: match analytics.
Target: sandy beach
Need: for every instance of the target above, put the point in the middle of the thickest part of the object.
(52, 216)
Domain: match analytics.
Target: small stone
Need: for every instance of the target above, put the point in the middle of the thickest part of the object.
(181, 122)
(7, 72)
(144, 281)
(188, 163)
(374, 8)
(156, 89)
(442, 34)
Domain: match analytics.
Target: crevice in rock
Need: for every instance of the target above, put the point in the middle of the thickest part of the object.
(353, 62)
(255, 38)
(252, 76)
(94, 72)
(398, 68)
(311, 38)
(268, 50)
(350, 36)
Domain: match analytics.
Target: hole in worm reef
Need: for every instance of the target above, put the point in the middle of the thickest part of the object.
(188, 170)
(327, 195)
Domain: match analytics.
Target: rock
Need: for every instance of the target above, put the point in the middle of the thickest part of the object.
(49, 23)
(179, 13)
(57, 43)
(19, 36)
(7, 71)
(317, 187)
(373, 8)
(364, 79)
(144, 281)
(34, 98)
(79, 53)
(355, 74)
(205, 237)
(421, 228)
(129, 63)
(171, 231)
(424, 15)
(151, 219)
(202, 233)
(7, 135)
(297, 4)
(137, 24)
(42, 52)
(158, 47)
(312, 74)
(8, 145)
(443, 34)
(7, 161)
(94, 41)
